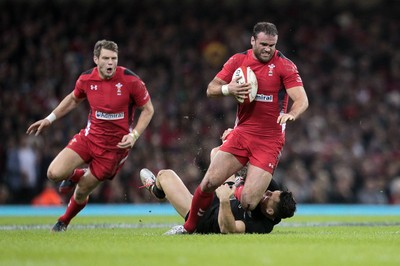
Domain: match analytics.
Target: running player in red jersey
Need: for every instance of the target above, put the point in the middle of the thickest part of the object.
(259, 133)
(114, 93)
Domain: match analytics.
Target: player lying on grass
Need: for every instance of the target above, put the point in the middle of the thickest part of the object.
(223, 217)
(225, 214)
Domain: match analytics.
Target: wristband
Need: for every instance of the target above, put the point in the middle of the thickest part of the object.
(135, 135)
(225, 90)
(51, 117)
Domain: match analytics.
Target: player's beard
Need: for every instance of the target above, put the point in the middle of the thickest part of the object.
(264, 58)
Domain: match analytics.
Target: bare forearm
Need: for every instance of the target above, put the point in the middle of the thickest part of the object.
(144, 118)
(226, 220)
(300, 101)
(298, 108)
(214, 88)
(66, 105)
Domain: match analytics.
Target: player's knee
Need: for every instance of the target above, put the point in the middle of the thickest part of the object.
(209, 185)
(213, 152)
(248, 201)
(52, 175)
(165, 174)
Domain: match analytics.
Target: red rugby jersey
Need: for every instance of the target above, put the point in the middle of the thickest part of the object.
(112, 104)
(274, 78)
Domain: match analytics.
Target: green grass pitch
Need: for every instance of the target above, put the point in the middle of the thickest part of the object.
(138, 240)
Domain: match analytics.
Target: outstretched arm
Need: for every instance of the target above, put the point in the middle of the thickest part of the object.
(69, 103)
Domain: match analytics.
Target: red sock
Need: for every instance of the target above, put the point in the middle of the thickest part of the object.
(73, 209)
(200, 203)
(238, 192)
(76, 175)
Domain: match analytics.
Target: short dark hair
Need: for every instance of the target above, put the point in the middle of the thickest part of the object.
(109, 45)
(267, 27)
(286, 205)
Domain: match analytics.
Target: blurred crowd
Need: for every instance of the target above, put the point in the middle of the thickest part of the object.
(344, 149)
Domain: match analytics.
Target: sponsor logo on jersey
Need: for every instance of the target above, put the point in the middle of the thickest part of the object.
(264, 98)
(93, 87)
(106, 116)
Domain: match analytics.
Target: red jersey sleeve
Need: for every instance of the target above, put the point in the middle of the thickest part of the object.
(229, 67)
(79, 90)
(290, 77)
(140, 94)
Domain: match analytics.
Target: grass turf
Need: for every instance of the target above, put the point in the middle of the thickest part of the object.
(134, 240)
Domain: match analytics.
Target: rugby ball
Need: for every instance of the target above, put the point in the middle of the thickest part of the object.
(246, 76)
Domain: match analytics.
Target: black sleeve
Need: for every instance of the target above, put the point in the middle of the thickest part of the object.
(259, 226)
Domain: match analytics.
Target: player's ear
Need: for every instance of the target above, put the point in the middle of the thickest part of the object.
(252, 40)
(270, 211)
(95, 59)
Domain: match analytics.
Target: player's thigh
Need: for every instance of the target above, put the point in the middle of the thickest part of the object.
(222, 166)
(176, 191)
(256, 184)
(64, 163)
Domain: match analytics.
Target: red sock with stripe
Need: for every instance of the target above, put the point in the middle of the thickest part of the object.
(73, 209)
(77, 174)
(200, 203)
(238, 192)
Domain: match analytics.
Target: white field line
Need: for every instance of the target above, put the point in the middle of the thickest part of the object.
(167, 225)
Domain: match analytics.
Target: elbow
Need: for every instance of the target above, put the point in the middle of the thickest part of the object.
(305, 107)
(208, 93)
(225, 230)
(305, 101)
(213, 152)
(149, 110)
(306, 104)
(211, 90)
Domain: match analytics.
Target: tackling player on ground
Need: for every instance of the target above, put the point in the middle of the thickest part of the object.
(225, 214)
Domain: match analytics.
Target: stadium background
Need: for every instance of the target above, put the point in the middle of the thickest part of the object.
(344, 149)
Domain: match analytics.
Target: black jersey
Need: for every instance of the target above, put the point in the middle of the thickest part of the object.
(255, 221)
